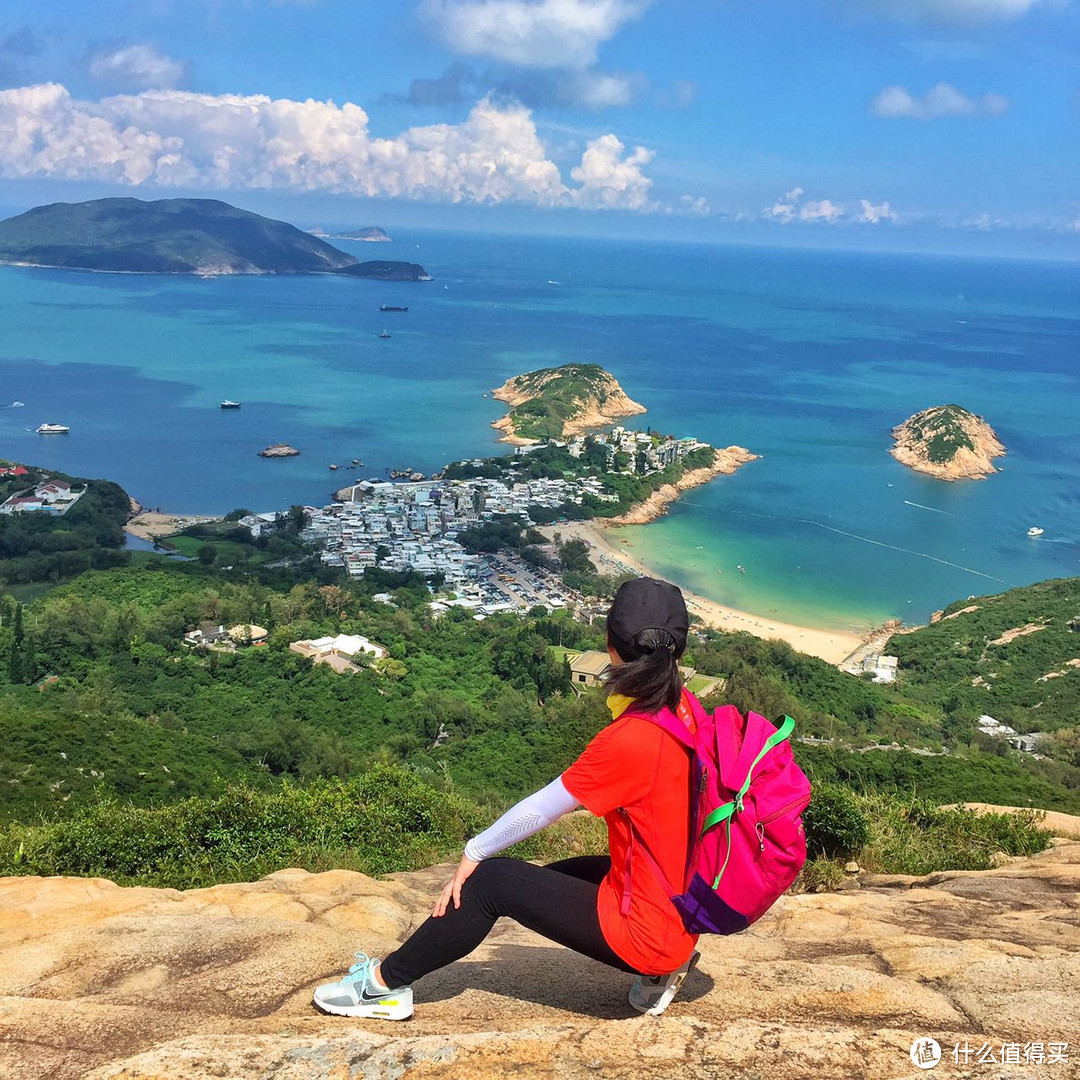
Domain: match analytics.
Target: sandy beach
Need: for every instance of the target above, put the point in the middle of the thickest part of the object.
(611, 557)
(150, 525)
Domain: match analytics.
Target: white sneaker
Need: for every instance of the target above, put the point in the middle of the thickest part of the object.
(652, 994)
(357, 995)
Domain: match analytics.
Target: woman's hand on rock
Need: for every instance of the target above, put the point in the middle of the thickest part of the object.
(452, 892)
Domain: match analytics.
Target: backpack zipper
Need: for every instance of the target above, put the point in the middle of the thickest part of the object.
(784, 809)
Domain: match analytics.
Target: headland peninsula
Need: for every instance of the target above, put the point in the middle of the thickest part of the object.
(205, 237)
(947, 442)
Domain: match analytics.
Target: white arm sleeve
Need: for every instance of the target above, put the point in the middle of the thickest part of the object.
(533, 813)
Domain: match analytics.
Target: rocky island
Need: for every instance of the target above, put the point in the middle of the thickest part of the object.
(178, 236)
(553, 403)
(279, 450)
(948, 442)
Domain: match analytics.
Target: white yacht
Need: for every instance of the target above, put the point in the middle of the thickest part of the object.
(1035, 531)
(53, 429)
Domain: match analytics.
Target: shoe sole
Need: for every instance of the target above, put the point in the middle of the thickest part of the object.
(668, 995)
(368, 1012)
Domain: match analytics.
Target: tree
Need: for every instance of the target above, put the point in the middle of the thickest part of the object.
(207, 555)
(334, 598)
(297, 518)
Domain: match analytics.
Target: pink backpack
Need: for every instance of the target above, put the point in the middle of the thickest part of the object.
(747, 843)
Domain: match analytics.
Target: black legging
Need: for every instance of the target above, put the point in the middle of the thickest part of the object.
(557, 901)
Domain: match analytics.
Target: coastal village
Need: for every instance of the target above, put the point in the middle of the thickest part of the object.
(414, 525)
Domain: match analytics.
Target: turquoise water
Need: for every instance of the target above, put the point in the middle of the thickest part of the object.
(806, 358)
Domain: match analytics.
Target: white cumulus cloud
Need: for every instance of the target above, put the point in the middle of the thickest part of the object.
(531, 33)
(610, 178)
(825, 210)
(695, 206)
(137, 67)
(875, 215)
(897, 102)
(172, 138)
(792, 206)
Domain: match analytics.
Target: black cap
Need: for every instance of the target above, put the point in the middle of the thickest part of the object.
(645, 604)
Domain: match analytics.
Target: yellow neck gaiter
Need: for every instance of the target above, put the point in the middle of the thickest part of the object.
(618, 704)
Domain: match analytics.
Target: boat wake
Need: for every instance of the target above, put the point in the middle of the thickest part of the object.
(932, 509)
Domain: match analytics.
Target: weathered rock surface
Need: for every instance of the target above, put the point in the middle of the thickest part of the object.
(948, 442)
(102, 982)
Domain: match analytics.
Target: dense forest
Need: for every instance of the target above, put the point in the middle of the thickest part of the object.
(99, 696)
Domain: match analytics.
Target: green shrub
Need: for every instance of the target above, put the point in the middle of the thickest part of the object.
(835, 824)
(382, 821)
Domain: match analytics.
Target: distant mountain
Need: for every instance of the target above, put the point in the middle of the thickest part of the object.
(176, 236)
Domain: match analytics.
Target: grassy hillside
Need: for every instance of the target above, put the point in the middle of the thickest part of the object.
(1014, 656)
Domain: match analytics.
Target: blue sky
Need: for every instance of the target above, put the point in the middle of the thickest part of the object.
(940, 125)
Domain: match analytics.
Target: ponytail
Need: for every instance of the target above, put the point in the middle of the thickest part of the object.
(650, 672)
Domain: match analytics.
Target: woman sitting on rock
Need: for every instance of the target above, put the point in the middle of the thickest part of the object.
(631, 772)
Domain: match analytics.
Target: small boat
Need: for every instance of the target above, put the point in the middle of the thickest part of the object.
(741, 568)
(1035, 531)
(226, 404)
(53, 429)
(333, 467)
(391, 307)
(385, 334)
(357, 461)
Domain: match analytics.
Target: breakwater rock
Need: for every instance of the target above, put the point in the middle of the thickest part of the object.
(101, 982)
(279, 450)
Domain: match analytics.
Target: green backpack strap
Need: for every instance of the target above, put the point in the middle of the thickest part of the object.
(723, 814)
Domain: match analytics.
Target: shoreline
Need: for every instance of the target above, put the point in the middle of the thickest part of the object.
(725, 462)
(833, 646)
(153, 524)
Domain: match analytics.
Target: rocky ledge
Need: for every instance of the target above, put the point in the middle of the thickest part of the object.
(279, 450)
(725, 462)
(948, 442)
(101, 982)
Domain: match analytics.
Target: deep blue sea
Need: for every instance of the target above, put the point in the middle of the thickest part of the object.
(809, 359)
